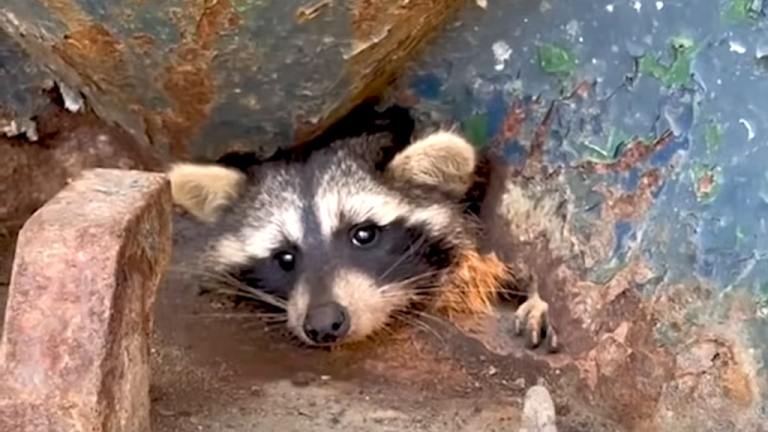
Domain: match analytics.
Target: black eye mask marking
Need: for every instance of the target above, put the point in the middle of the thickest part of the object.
(392, 253)
(275, 275)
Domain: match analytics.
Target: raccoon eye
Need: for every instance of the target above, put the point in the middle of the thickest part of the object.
(364, 236)
(286, 260)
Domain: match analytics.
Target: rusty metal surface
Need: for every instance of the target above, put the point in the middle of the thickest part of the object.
(197, 78)
(646, 116)
(24, 81)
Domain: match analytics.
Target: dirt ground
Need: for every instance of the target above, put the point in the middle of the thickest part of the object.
(218, 369)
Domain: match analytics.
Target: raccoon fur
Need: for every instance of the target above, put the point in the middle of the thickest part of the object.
(347, 237)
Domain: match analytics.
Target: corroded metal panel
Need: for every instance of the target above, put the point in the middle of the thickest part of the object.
(648, 119)
(200, 77)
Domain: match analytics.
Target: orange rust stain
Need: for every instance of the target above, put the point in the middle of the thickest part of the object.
(188, 80)
(143, 42)
(633, 205)
(69, 12)
(625, 372)
(190, 86)
(737, 385)
(93, 41)
(636, 152)
(705, 184)
(581, 91)
(513, 123)
(370, 17)
(535, 161)
(217, 16)
(385, 34)
(97, 56)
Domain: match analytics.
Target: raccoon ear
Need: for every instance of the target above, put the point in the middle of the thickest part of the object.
(204, 189)
(443, 159)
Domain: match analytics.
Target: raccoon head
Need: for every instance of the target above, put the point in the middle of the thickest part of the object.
(344, 240)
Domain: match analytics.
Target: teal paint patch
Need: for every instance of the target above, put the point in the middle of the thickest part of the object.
(678, 72)
(475, 128)
(611, 149)
(713, 136)
(741, 12)
(556, 60)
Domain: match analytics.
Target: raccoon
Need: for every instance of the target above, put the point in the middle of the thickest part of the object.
(344, 238)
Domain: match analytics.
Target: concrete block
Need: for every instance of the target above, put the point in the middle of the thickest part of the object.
(74, 354)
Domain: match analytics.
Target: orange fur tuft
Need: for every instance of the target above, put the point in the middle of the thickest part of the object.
(474, 286)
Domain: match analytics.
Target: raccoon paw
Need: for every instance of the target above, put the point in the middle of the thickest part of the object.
(533, 317)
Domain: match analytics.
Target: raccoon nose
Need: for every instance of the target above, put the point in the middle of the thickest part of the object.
(326, 323)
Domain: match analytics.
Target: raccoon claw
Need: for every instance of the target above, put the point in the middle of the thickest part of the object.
(533, 316)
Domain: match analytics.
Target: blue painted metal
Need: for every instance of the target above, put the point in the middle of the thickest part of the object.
(706, 224)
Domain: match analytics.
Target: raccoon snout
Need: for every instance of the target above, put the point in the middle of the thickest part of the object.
(326, 323)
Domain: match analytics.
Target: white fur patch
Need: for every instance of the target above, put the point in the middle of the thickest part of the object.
(369, 306)
(262, 242)
(230, 250)
(377, 206)
(281, 225)
(297, 310)
(435, 217)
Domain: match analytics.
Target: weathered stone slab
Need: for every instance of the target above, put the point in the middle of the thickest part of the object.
(75, 349)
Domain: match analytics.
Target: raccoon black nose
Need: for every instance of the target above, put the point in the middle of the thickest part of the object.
(326, 323)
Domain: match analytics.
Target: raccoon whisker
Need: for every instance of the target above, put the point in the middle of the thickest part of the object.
(266, 298)
(239, 288)
(177, 269)
(405, 283)
(431, 317)
(411, 249)
(232, 282)
(254, 295)
(272, 317)
(419, 323)
(403, 293)
(250, 293)
(388, 329)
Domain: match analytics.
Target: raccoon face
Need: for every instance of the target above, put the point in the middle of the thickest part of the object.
(340, 243)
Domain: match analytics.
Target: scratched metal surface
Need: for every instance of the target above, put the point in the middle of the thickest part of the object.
(658, 124)
(202, 77)
(23, 80)
(655, 121)
(242, 67)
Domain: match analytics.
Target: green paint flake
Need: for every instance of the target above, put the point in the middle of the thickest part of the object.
(556, 60)
(242, 6)
(678, 73)
(713, 136)
(707, 181)
(764, 288)
(610, 151)
(741, 11)
(740, 236)
(475, 128)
